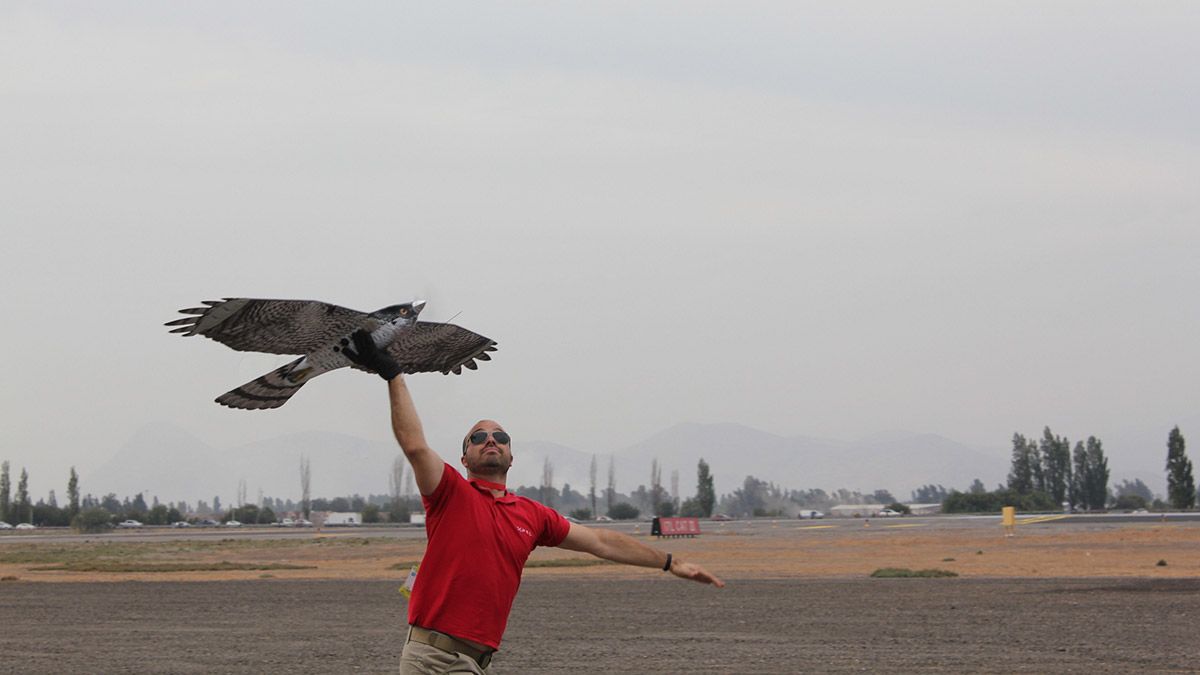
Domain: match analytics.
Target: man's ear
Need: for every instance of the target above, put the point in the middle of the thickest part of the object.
(463, 459)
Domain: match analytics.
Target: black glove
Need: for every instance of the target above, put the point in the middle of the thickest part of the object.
(366, 354)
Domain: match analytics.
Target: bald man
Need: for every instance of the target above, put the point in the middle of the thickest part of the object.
(480, 535)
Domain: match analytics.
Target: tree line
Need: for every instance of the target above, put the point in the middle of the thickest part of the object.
(1047, 475)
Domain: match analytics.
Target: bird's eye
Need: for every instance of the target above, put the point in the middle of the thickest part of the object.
(403, 311)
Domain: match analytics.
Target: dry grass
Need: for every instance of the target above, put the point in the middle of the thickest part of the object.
(765, 551)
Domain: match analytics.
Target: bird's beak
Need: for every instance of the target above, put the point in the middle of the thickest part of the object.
(417, 306)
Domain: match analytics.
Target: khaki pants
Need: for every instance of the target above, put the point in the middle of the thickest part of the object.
(421, 659)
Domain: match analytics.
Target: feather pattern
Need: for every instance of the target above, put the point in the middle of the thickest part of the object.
(438, 348)
(319, 330)
(272, 326)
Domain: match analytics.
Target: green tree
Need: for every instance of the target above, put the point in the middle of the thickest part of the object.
(706, 495)
(691, 507)
(1021, 477)
(1181, 486)
(1096, 479)
(1078, 493)
(73, 493)
(1056, 465)
(23, 508)
(157, 515)
(5, 491)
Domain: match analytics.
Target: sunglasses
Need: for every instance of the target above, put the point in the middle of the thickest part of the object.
(480, 437)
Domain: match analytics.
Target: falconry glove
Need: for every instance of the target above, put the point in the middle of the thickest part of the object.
(366, 354)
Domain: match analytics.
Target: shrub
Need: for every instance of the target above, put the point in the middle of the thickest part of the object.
(92, 520)
(623, 511)
(370, 514)
(582, 514)
(1130, 502)
(904, 572)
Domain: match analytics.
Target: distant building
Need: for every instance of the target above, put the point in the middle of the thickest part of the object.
(869, 510)
(333, 518)
(855, 510)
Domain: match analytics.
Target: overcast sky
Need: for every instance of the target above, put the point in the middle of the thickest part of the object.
(826, 219)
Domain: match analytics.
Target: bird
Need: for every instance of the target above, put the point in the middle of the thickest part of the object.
(319, 331)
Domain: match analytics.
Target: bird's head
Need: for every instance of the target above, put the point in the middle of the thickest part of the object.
(400, 314)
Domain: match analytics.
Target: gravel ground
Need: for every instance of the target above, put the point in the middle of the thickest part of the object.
(594, 625)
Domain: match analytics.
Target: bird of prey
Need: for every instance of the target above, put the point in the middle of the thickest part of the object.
(319, 331)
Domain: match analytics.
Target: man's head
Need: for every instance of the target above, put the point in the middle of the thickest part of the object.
(483, 453)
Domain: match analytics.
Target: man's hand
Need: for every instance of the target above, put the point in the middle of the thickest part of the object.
(366, 354)
(687, 570)
(622, 548)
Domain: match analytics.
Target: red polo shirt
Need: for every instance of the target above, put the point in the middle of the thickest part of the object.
(477, 549)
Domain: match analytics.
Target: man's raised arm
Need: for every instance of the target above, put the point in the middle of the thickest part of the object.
(426, 464)
(622, 548)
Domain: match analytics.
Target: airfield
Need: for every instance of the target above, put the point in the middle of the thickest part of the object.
(1064, 594)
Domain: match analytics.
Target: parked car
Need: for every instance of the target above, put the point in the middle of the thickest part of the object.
(811, 515)
(207, 522)
(300, 522)
(286, 522)
(129, 524)
(181, 523)
(603, 519)
(25, 526)
(887, 513)
(231, 523)
(721, 516)
(5, 526)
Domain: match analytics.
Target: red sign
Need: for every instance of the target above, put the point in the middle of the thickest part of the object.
(675, 527)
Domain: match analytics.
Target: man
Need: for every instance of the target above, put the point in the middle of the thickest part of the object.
(480, 535)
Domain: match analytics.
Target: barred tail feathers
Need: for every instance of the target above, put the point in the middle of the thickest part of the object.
(269, 391)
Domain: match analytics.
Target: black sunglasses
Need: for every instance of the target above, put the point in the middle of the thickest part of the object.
(481, 436)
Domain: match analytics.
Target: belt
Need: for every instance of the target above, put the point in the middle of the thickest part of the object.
(449, 643)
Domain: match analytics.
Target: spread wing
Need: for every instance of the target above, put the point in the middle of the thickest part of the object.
(271, 326)
(439, 347)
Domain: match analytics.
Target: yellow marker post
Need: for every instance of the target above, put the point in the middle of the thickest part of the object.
(1008, 517)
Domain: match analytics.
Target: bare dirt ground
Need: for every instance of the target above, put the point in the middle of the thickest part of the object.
(1059, 597)
(640, 626)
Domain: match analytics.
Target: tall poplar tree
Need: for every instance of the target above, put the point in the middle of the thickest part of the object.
(1096, 480)
(23, 508)
(1181, 486)
(1021, 478)
(592, 484)
(5, 490)
(73, 493)
(706, 496)
(1078, 497)
(1056, 465)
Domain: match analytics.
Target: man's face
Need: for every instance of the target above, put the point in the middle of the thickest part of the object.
(484, 454)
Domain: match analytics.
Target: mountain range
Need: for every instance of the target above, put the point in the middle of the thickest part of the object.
(168, 462)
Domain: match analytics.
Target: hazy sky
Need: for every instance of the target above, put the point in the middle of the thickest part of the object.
(828, 219)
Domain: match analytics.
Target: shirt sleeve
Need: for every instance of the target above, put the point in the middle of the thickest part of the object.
(554, 527)
(435, 502)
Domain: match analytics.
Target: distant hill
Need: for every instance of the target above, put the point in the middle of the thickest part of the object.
(166, 461)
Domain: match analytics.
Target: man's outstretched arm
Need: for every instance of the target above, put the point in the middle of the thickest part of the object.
(622, 548)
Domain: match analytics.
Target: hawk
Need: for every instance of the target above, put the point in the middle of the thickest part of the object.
(319, 331)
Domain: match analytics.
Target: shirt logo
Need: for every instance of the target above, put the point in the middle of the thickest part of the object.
(524, 531)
